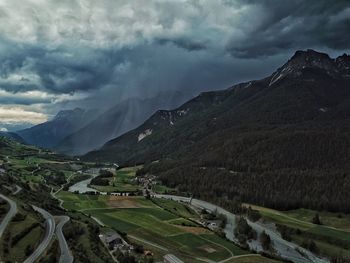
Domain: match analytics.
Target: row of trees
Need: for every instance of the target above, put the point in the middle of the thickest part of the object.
(283, 189)
(244, 232)
(102, 178)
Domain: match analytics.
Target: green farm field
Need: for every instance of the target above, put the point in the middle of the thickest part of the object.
(252, 259)
(155, 222)
(122, 181)
(80, 202)
(332, 238)
(332, 226)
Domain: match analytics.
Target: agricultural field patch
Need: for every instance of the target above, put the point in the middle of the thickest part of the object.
(329, 240)
(122, 181)
(127, 202)
(175, 207)
(73, 201)
(337, 220)
(253, 259)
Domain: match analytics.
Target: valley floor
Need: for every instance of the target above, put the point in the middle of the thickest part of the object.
(133, 208)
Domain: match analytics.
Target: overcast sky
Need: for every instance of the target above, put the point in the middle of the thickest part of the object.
(62, 54)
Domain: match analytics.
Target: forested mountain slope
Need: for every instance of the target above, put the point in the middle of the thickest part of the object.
(283, 141)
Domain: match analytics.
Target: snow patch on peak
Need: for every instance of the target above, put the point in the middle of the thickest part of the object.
(143, 135)
(276, 77)
(248, 85)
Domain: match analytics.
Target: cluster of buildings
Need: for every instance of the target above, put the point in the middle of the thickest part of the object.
(211, 224)
(147, 182)
(115, 242)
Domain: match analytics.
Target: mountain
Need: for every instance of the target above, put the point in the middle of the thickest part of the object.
(49, 133)
(13, 136)
(123, 117)
(282, 141)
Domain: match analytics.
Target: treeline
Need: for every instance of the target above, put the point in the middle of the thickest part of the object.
(283, 168)
(281, 189)
(101, 178)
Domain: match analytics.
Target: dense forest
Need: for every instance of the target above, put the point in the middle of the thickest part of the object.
(283, 169)
(283, 141)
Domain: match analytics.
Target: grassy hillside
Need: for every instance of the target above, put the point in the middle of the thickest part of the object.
(331, 237)
(28, 175)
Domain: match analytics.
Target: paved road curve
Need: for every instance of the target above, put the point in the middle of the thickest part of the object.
(66, 255)
(285, 249)
(50, 229)
(18, 189)
(10, 214)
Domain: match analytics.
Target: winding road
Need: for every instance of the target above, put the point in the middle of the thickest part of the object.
(50, 229)
(10, 214)
(18, 189)
(66, 255)
(285, 249)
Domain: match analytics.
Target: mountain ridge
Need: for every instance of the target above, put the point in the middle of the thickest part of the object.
(47, 134)
(12, 135)
(115, 121)
(250, 89)
(298, 126)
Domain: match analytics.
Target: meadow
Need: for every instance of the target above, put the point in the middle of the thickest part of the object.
(82, 202)
(252, 259)
(332, 238)
(163, 223)
(122, 181)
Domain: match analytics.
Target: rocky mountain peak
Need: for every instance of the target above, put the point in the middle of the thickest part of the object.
(68, 113)
(343, 65)
(310, 59)
(303, 61)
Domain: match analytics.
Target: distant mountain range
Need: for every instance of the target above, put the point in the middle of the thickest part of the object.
(78, 131)
(123, 117)
(282, 141)
(48, 134)
(13, 136)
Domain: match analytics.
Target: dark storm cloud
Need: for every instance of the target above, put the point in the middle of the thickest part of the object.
(89, 53)
(294, 25)
(186, 44)
(57, 71)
